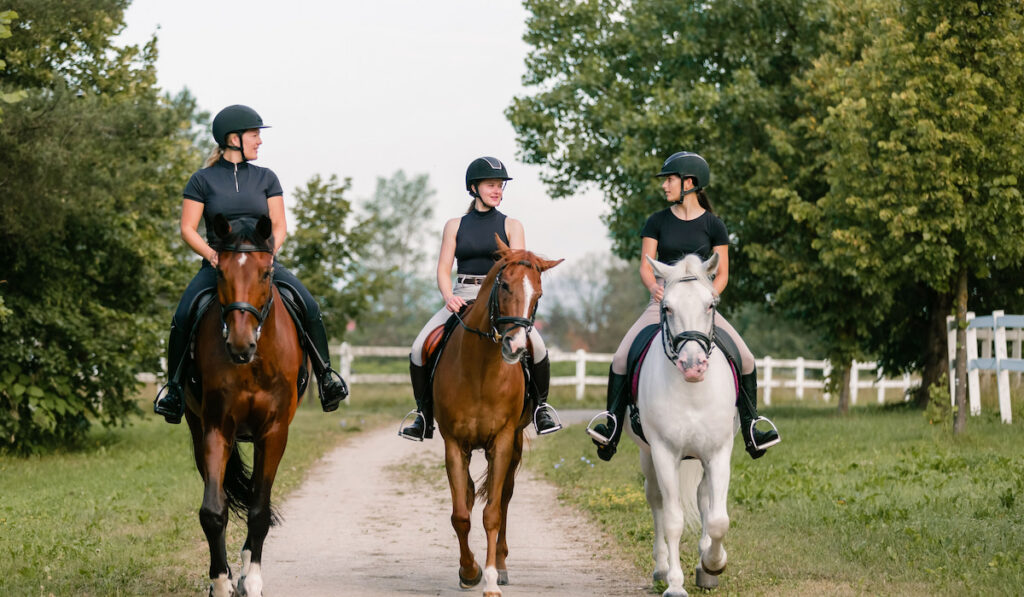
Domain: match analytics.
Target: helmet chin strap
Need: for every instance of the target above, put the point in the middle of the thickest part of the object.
(682, 196)
(238, 149)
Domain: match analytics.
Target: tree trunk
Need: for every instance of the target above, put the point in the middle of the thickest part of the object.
(844, 389)
(935, 363)
(960, 422)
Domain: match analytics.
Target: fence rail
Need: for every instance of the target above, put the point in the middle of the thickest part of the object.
(768, 367)
(993, 332)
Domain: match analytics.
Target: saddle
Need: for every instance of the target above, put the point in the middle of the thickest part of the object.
(437, 339)
(292, 302)
(638, 354)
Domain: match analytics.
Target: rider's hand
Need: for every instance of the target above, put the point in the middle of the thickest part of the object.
(454, 303)
(213, 258)
(657, 293)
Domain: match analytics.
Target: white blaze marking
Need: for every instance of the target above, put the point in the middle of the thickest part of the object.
(527, 296)
(241, 259)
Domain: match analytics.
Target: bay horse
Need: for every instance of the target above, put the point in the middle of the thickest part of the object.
(247, 360)
(686, 397)
(479, 399)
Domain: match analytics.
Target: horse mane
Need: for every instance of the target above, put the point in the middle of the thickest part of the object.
(689, 267)
(244, 237)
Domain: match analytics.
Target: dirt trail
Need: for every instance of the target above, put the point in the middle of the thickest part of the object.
(372, 519)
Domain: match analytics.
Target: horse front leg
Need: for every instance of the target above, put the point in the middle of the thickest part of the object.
(266, 457)
(506, 497)
(666, 461)
(457, 465)
(499, 458)
(713, 494)
(213, 514)
(654, 499)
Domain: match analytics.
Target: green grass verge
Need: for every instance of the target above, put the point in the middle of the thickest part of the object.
(876, 503)
(120, 517)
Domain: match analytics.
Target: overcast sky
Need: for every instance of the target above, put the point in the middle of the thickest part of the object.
(362, 89)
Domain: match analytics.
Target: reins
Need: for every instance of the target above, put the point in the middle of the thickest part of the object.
(492, 308)
(674, 346)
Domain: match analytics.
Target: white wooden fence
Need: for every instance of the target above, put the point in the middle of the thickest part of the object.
(993, 332)
(768, 367)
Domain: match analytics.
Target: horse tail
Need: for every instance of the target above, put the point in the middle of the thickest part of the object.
(690, 474)
(238, 486)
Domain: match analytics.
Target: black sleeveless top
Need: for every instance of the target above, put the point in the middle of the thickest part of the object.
(474, 242)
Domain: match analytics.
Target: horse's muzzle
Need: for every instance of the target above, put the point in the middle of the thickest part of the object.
(693, 369)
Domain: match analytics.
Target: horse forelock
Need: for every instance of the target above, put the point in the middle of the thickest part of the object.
(244, 238)
(689, 268)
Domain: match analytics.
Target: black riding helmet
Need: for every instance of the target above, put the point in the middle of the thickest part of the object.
(687, 164)
(482, 169)
(235, 119)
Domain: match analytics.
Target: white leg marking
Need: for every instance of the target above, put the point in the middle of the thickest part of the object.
(491, 581)
(254, 581)
(221, 586)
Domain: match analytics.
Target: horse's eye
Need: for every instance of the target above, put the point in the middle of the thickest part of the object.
(504, 286)
(266, 274)
(667, 310)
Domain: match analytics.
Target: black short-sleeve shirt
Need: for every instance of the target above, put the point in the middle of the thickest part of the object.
(678, 238)
(235, 190)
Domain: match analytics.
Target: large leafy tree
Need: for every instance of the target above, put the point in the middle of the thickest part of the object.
(401, 210)
(92, 161)
(323, 249)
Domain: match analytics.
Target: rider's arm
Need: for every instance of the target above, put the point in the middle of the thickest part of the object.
(444, 265)
(278, 219)
(649, 248)
(722, 275)
(191, 213)
(515, 233)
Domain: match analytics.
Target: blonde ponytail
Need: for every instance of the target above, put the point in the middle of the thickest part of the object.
(214, 156)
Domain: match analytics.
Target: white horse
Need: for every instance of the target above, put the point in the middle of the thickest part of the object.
(687, 403)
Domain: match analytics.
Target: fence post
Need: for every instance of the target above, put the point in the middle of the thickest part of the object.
(880, 380)
(826, 373)
(1002, 375)
(951, 353)
(853, 382)
(1015, 353)
(767, 380)
(799, 378)
(581, 373)
(346, 361)
(973, 387)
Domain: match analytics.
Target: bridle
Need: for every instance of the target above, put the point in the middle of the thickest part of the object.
(674, 346)
(492, 309)
(259, 314)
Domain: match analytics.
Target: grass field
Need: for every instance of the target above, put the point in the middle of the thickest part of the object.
(121, 516)
(876, 503)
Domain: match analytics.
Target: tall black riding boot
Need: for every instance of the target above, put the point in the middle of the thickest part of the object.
(540, 380)
(606, 436)
(170, 400)
(422, 426)
(333, 388)
(755, 440)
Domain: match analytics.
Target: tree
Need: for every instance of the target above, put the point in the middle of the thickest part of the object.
(92, 161)
(401, 211)
(323, 250)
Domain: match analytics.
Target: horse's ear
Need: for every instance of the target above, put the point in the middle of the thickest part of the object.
(502, 247)
(221, 226)
(661, 270)
(545, 264)
(264, 227)
(711, 265)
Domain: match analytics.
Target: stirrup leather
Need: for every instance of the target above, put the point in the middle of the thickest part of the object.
(554, 415)
(415, 414)
(753, 437)
(604, 441)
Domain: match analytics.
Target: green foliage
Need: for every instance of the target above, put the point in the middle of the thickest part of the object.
(7, 97)
(323, 251)
(873, 503)
(91, 163)
(398, 214)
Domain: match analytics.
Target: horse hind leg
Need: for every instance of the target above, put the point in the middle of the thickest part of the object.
(266, 458)
(461, 485)
(714, 514)
(213, 514)
(506, 496)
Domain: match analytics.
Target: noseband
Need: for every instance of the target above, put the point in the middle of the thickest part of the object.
(259, 314)
(675, 346)
(492, 310)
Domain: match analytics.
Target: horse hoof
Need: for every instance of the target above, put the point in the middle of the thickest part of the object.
(466, 583)
(502, 577)
(705, 579)
(701, 566)
(671, 593)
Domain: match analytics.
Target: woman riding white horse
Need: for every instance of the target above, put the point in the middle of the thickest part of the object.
(687, 226)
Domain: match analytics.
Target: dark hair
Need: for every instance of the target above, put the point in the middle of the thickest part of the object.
(472, 206)
(702, 199)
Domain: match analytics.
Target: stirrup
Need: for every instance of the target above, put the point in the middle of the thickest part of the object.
(753, 440)
(558, 420)
(604, 441)
(415, 414)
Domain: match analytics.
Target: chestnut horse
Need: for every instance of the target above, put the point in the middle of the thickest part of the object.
(247, 359)
(479, 395)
